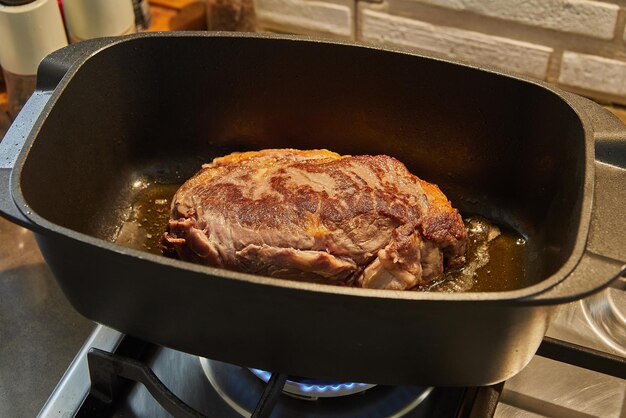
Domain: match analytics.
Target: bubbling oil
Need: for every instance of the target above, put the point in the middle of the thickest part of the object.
(147, 218)
(496, 256)
(495, 260)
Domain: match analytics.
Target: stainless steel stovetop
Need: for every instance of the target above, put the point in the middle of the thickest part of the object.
(553, 389)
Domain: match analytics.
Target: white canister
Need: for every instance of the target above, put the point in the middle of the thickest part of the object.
(87, 19)
(29, 30)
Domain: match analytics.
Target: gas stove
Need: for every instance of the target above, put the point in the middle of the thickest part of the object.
(579, 371)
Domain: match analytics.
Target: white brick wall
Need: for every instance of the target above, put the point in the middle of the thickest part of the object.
(585, 17)
(577, 44)
(508, 54)
(307, 17)
(593, 73)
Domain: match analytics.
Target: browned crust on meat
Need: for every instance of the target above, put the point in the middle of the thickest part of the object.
(312, 197)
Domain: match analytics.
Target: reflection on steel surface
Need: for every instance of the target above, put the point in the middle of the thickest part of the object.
(550, 388)
(606, 312)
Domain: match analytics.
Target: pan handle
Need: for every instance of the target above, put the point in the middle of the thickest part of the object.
(49, 74)
(53, 67)
(10, 147)
(604, 258)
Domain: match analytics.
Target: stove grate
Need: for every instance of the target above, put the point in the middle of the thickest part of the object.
(584, 357)
(112, 373)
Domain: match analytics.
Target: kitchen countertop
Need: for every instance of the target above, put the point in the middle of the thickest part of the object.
(39, 331)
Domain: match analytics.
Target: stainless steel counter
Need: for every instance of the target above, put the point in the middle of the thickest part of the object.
(40, 332)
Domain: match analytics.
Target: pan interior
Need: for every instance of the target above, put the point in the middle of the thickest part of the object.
(150, 111)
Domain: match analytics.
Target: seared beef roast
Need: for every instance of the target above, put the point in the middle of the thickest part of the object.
(317, 216)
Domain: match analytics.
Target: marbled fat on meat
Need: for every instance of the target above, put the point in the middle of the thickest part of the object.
(315, 215)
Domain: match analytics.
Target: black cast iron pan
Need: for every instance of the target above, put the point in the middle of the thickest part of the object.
(109, 114)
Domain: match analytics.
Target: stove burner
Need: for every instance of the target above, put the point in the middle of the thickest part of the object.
(240, 390)
(313, 389)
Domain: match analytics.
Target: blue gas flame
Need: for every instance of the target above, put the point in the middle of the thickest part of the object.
(313, 389)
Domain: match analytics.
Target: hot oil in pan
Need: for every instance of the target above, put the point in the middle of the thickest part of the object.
(495, 256)
(146, 220)
(495, 260)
